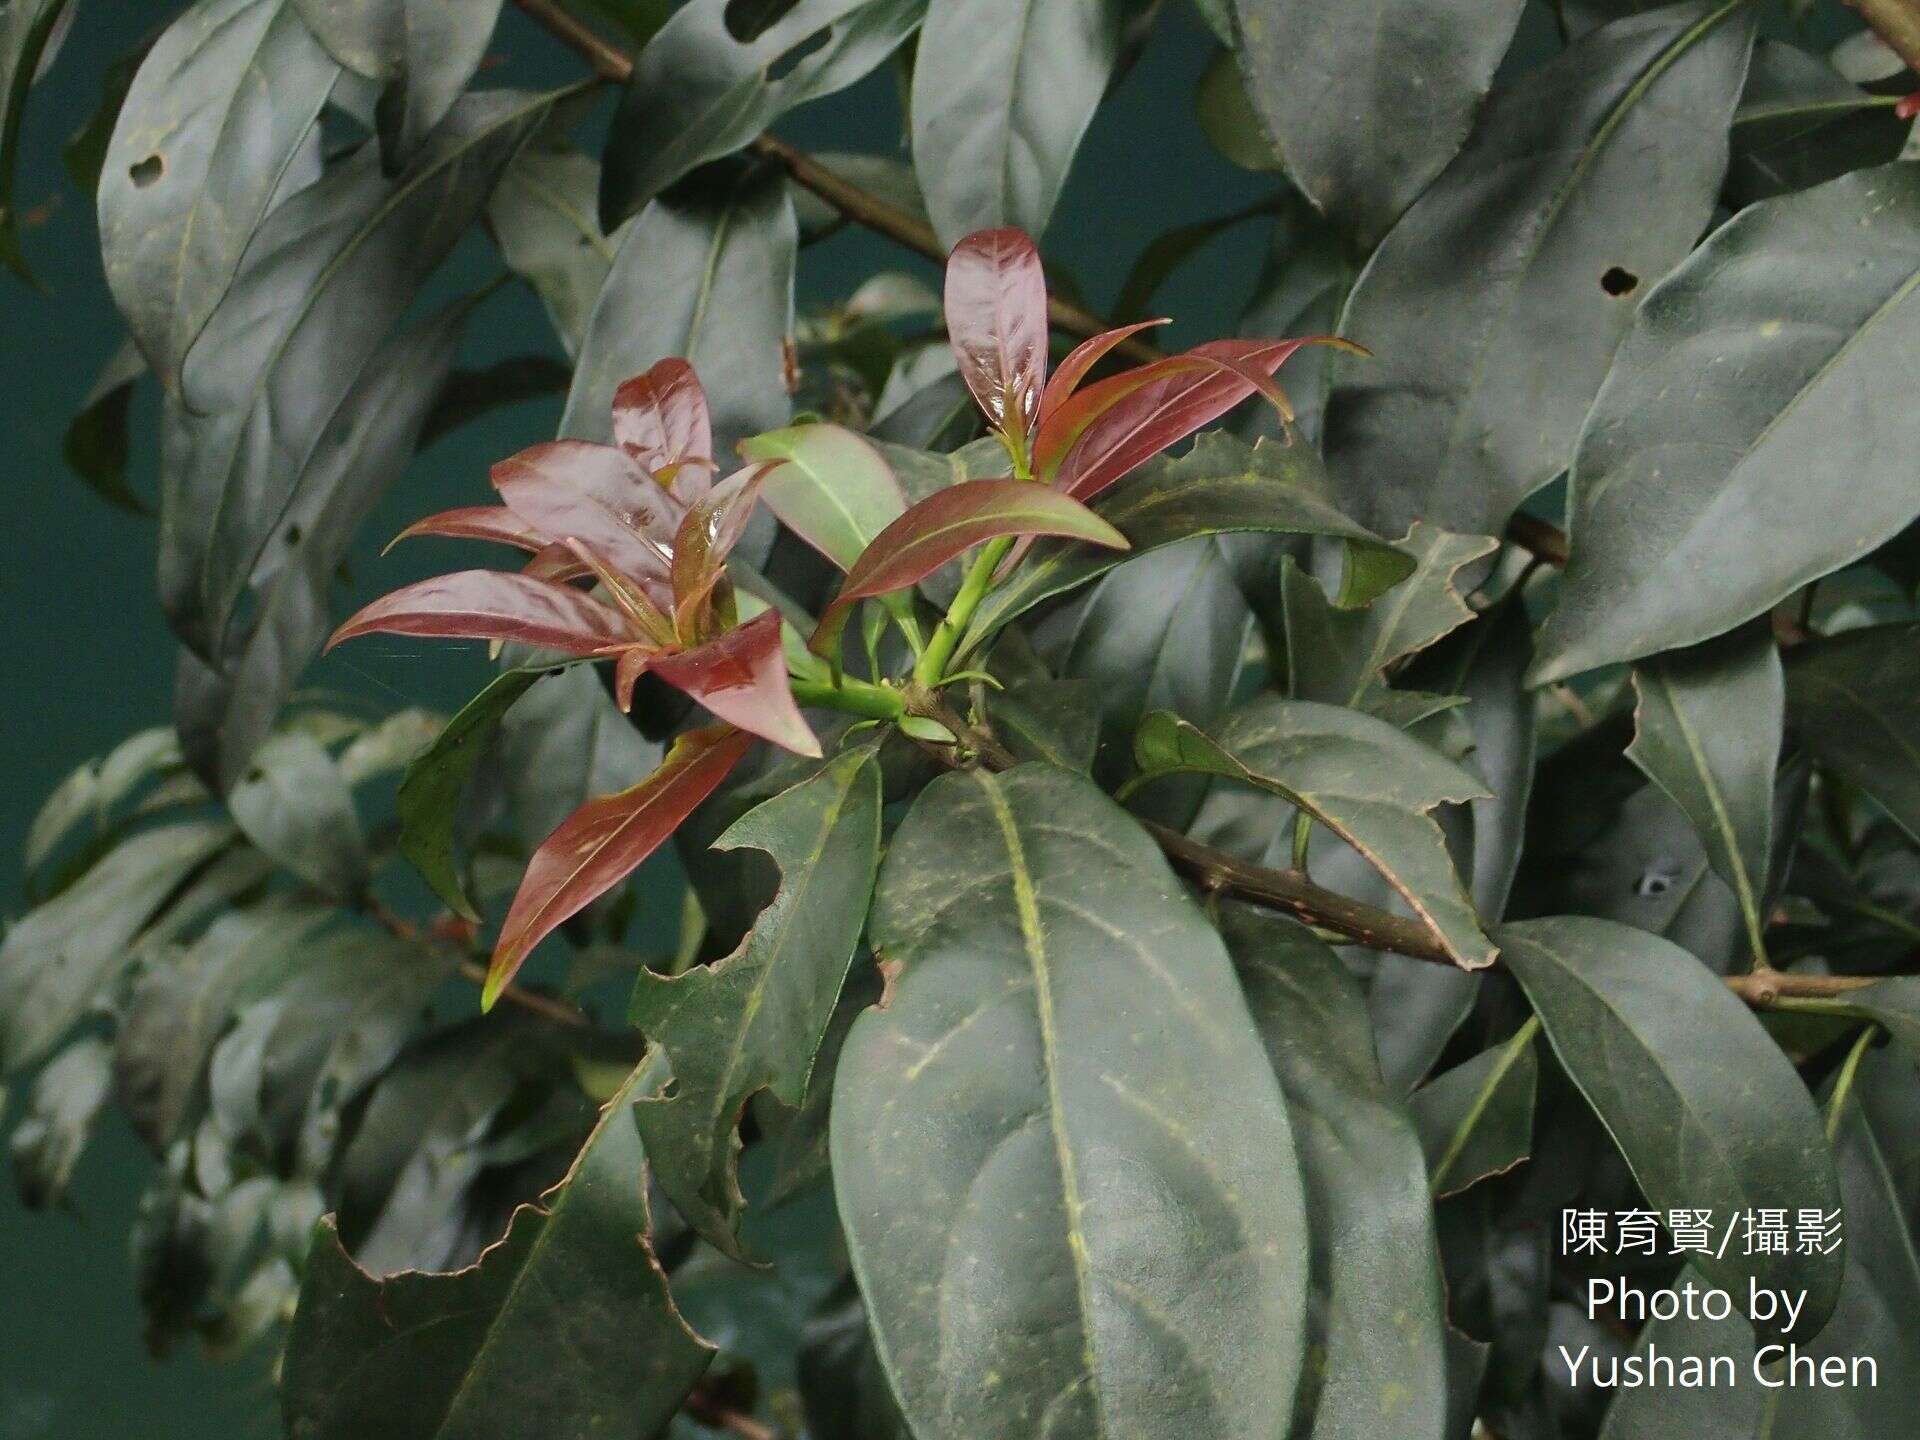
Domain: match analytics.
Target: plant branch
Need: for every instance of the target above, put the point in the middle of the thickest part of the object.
(1218, 873)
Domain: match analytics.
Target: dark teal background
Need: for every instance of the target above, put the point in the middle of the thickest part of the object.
(88, 659)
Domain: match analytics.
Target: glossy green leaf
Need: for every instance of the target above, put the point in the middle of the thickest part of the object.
(1379, 1347)
(1002, 92)
(1366, 102)
(831, 487)
(1018, 1132)
(423, 52)
(663, 298)
(1367, 781)
(700, 91)
(1476, 1120)
(61, 1110)
(1706, 1110)
(1853, 702)
(1585, 181)
(567, 1316)
(180, 197)
(1746, 374)
(543, 219)
(1872, 1318)
(1221, 486)
(1055, 721)
(225, 715)
(334, 266)
(756, 1019)
(26, 28)
(58, 957)
(1707, 731)
(428, 802)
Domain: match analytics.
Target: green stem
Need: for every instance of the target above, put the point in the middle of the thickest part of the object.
(931, 668)
(1509, 1057)
(1302, 834)
(851, 697)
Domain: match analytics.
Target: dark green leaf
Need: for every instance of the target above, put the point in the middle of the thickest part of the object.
(1380, 1317)
(1853, 700)
(1585, 181)
(1002, 92)
(422, 51)
(1873, 1317)
(1221, 486)
(543, 218)
(567, 1317)
(48, 1138)
(1725, 464)
(1301, 290)
(1368, 101)
(1801, 123)
(429, 798)
(56, 959)
(179, 198)
(225, 717)
(756, 1019)
(333, 268)
(841, 1381)
(1477, 1119)
(294, 804)
(564, 744)
(698, 92)
(1707, 732)
(663, 297)
(1705, 1109)
(469, 394)
(1062, 1161)
(888, 176)
(1227, 116)
(1057, 721)
(96, 445)
(26, 29)
(1367, 781)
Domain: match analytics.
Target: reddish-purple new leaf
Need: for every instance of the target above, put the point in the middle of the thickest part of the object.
(593, 493)
(475, 522)
(709, 531)
(660, 420)
(996, 307)
(950, 522)
(742, 678)
(1079, 363)
(1108, 429)
(494, 605)
(604, 841)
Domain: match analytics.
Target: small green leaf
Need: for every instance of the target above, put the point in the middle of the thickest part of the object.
(66, 1100)
(1367, 781)
(1707, 731)
(429, 798)
(831, 487)
(96, 445)
(756, 1019)
(294, 804)
(1705, 1109)
(1476, 1120)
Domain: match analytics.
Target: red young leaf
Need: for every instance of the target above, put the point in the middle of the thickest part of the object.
(557, 562)
(742, 678)
(604, 841)
(1079, 362)
(710, 529)
(645, 618)
(475, 522)
(660, 419)
(996, 305)
(627, 671)
(1110, 428)
(493, 605)
(594, 494)
(951, 521)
